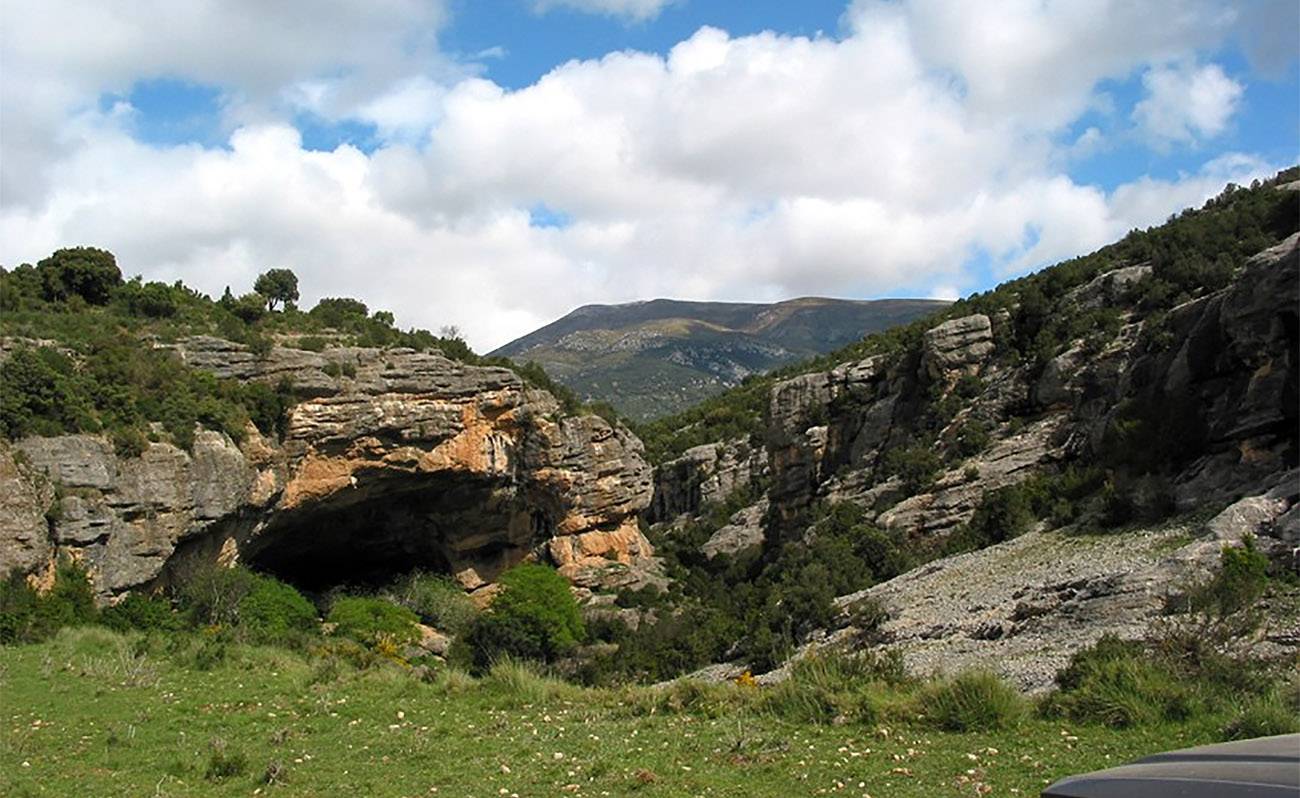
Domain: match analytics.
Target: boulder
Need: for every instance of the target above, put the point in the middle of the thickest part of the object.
(957, 345)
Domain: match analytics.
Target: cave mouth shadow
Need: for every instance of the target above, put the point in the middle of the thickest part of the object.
(364, 543)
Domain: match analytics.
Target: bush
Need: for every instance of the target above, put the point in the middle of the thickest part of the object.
(70, 601)
(212, 594)
(141, 611)
(1003, 514)
(917, 466)
(494, 637)
(19, 605)
(372, 621)
(272, 611)
(972, 701)
(539, 594)
(27, 616)
(439, 601)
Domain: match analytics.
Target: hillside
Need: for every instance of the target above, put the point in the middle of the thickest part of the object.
(999, 485)
(654, 358)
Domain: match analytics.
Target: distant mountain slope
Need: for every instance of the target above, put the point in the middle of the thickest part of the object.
(653, 358)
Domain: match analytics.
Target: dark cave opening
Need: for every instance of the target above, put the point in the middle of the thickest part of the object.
(442, 523)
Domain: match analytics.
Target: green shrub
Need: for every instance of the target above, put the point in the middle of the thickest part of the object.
(439, 601)
(538, 593)
(1003, 514)
(19, 605)
(141, 611)
(973, 701)
(373, 621)
(27, 616)
(212, 594)
(916, 466)
(70, 601)
(494, 637)
(973, 438)
(273, 611)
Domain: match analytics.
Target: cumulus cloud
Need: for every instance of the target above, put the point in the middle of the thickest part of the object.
(743, 168)
(60, 56)
(1184, 103)
(634, 10)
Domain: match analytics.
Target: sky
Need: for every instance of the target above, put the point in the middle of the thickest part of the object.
(494, 164)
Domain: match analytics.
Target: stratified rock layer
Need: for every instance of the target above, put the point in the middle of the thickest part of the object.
(412, 460)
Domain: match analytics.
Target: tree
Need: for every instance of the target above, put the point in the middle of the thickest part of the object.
(249, 307)
(340, 312)
(89, 273)
(277, 285)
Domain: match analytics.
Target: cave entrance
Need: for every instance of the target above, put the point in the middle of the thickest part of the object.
(368, 536)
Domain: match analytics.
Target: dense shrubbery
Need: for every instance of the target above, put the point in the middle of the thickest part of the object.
(140, 611)
(533, 617)
(27, 616)
(758, 605)
(373, 621)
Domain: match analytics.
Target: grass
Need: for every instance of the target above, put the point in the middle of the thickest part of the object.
(259, 721)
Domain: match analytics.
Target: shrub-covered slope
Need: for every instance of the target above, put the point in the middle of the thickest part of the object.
(1149, 383)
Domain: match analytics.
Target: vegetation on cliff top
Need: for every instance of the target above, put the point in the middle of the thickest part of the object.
(100, 364)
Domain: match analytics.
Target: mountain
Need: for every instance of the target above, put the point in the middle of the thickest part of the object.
(652, 358)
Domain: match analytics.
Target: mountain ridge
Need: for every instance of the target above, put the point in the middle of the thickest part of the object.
(651, 357)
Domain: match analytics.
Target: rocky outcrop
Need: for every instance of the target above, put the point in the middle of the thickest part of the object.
(1024, 607)
(957, 345)
(394, 458)
(742, 533)
(705, 475)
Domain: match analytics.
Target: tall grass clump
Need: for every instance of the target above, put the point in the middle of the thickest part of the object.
(1117, 683)
(1276, 712)
(972, 701)
(832, 687)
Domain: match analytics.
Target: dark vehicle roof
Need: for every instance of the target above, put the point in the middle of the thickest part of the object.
(1268, 767)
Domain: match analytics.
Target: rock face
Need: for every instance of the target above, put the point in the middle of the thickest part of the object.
(1229, 389)
(1215, 391)
(1023, 607)
(395, 458)
(959, 344)
(704, 475)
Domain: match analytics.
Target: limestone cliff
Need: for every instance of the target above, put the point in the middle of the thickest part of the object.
(1210, 396)
(392, 458)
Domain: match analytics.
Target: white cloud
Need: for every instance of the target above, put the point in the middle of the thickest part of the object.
(634, 10)
(61, 55)
(1184, 103)
(754, 167)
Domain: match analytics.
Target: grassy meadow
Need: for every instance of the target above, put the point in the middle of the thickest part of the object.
(92, 712)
